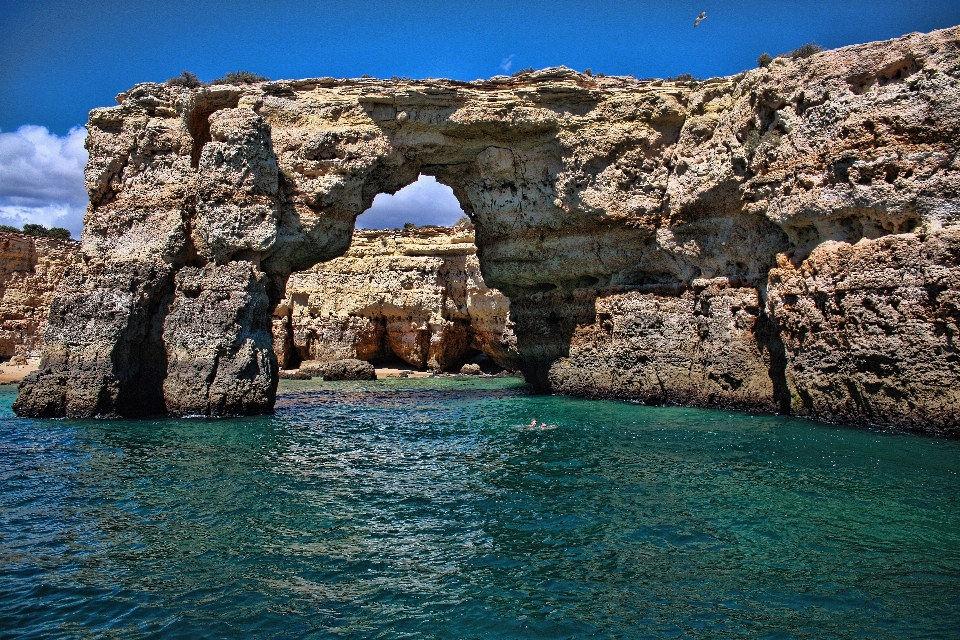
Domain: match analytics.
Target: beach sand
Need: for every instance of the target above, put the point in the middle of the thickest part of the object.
(388, 372)
(12, 374)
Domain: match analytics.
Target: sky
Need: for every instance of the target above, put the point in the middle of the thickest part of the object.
(59, 59)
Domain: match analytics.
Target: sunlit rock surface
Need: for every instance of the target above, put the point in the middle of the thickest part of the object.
(674, 242)
(415, 294)
(31, 268)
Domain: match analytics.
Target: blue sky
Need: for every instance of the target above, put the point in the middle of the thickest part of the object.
(59, 59)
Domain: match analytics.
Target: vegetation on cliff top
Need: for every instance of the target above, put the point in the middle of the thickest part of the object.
(38, 230)
(804, 51)
(188, 79)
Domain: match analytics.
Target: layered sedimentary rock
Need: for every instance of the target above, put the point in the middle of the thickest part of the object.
(716, 243)
(415, 294)
(31, 268)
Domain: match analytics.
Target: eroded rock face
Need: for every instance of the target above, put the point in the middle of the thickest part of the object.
(345, 369)
(869, 330)
(103, 353)
(668, 241)
(31, 268)
(219, 345)
(415, 294)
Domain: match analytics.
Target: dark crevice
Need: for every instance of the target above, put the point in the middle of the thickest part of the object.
(145, 366)
(198, 121)
(768, 337)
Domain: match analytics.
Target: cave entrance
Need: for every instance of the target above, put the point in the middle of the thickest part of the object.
(407, 295)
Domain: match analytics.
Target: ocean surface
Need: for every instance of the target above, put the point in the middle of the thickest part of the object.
(427, 509)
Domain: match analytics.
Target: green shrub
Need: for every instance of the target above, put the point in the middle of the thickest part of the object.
(523, 71)
(185, 79)
(240, 77)
(805, 51)
(764, 60)
(40, 231)
(463, 223)
(407, 226)
(684, 77)
(36, 230)
(9, 229)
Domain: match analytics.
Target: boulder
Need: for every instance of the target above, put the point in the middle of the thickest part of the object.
(344, 369)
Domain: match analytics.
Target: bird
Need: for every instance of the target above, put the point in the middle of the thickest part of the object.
(700, 18)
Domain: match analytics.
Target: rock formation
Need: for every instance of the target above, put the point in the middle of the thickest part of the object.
(415, 294)
(343, 369)
(780, 239)
(31, 267)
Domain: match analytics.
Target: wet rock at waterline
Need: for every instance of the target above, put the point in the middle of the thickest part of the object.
(344, 369)
(778, 239)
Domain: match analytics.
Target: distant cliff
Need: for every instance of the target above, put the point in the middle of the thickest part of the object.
(31, 268)
(416, 294)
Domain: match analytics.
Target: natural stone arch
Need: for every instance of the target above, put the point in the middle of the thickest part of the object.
(671, 242)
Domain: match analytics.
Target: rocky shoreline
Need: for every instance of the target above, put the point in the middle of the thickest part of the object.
(415, 294)
(784, 239)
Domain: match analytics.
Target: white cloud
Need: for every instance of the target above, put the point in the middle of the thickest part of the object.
(41, 178)
(507, 62)
(425, 201)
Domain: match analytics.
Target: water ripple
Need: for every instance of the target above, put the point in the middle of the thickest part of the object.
(424, 509)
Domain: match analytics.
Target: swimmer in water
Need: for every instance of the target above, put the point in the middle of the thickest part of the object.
(533, 424)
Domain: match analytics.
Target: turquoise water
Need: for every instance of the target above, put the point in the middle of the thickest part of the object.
(420, 509)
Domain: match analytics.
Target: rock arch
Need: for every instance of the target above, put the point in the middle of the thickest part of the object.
(656, 239)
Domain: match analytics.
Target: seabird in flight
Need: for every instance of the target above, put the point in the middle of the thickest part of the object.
(700, 18)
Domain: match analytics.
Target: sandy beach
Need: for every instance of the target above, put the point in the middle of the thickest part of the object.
(12, 374)
(388, 372)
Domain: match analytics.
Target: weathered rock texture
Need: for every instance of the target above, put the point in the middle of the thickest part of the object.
(30, 270)
(415, 294)
(759, 240)
(344, 369)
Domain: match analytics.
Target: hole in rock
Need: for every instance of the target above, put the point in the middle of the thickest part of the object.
(424, 202)
(408, 295)
(199, 121)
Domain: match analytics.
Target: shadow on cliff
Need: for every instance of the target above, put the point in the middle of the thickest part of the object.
(768, 337)
(545, 326)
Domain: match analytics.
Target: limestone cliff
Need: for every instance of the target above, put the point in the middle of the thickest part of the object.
(415, 294)
(677, 242)
(30, 270)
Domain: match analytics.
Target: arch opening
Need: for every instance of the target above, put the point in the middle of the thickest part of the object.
(424, 202)
(408, 294)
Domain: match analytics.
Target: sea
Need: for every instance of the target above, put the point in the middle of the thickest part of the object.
(469, 507)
